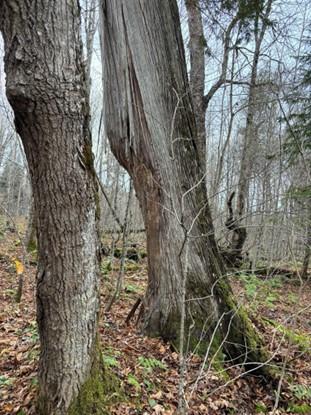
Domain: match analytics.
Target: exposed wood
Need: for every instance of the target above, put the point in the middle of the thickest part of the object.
(151, 127)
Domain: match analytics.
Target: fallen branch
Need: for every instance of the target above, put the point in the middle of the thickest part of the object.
(133, 311)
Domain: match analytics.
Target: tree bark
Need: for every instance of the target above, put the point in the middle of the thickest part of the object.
(197, 44)
(307, 253)
(152, 131)
(31, 233)
(239, 234)
(45, 85)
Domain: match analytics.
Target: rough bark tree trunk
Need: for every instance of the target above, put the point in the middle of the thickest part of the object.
(45, 85)
(197, 44)
(151, 127)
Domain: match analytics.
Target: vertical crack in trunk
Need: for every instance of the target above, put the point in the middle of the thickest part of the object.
(146, 87)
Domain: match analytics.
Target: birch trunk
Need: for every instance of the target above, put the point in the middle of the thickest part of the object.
(152, 131)
(45, 85)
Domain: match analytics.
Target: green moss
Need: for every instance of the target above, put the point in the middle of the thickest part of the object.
(243, 340)
(101, 390)
(106, 267)
(32, 245)
(218, 357)
(131, 267)
(143, 253)
(198, 340)
(299, 339)
(260, 408)
(242, 329)
(242, 343)
(88, 156)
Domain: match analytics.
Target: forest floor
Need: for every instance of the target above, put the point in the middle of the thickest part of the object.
(148, 369)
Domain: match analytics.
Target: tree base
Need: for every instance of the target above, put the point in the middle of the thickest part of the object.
(99, 391)
(229, 338)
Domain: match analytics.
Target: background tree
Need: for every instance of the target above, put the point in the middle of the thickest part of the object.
(298, 143)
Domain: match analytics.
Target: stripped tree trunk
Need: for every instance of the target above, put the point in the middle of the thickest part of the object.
(45, 85)
(151, 127)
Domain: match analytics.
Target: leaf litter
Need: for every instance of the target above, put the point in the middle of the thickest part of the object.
(148, 368)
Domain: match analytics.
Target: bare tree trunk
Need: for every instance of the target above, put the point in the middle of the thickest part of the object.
(151, 127)
(221, 157)
(197, 44)
(239, 234)
(46, 88)
(307, 253)
(90, 23)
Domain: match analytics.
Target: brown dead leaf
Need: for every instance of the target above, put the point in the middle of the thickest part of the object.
(8, 407)
(158, 409)
(157, 396)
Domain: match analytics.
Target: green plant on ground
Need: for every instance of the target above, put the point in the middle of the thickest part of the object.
(10, 292)
(106, 267)
(33, 355)
(276, 281)
(251, 285)
(292, 298)
(5, 381)
(150, 386)
(260, 291)
(34, 381)
(152, 402)
(151, 363)
(130, 288)
(299, 408)
(270, 300)
(132, 380)
(32, 331)
(300, 339)
(301, 391)
(131, 266)
(110, 361)
(260, 408)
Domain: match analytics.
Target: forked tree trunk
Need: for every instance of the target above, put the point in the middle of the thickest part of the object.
(45, 85)
(151, 127)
